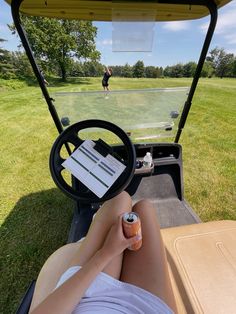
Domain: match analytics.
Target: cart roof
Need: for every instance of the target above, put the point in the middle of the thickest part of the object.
(102, 10)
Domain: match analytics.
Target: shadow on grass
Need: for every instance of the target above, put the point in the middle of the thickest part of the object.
(37, 225)
(58, 82)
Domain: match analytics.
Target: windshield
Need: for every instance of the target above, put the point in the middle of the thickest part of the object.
(136, 76)
(145, 114)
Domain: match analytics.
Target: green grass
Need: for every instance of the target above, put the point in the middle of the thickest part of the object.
(35, 216)
(209, 144)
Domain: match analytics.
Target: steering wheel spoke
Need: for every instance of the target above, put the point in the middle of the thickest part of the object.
(58, 164)
(75, 140)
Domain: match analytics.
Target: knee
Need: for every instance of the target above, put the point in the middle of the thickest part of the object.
(144, 206)
(144, 203)
(117, 205)
(123, 197)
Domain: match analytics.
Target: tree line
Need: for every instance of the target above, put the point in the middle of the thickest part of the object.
(16, 65)
(68, 48)
(218, 63)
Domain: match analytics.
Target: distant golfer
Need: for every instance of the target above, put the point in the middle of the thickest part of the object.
(44, 80)
(107, 75)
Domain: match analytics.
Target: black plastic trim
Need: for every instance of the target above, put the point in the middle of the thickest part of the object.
(27, 299)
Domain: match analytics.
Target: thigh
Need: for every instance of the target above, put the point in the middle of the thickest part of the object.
(51, 272)
(147, 268)
(106, 216)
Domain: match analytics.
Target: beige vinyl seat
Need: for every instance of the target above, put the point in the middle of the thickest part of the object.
(202, 264)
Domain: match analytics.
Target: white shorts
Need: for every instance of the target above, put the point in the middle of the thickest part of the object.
(107, 295)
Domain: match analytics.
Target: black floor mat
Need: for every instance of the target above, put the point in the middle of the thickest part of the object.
(170, 210)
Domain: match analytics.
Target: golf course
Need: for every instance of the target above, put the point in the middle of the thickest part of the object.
(35, 215)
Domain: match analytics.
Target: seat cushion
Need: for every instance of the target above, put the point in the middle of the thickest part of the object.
(202, 263)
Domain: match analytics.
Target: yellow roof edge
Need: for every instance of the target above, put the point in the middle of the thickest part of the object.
(100, 10)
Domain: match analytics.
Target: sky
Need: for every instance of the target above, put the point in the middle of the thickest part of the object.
(172, 42)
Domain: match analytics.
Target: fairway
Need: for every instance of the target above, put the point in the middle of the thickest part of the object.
(35, 215)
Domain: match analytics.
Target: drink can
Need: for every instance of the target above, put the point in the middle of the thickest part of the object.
(132, 227)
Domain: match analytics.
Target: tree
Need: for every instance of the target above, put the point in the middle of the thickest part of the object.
(77, 69)
(174, 70)
(177, 70)
(151, 71)
(167, 71)
(160, 72)
(22, 65)
(221, 61)
(127, 70)
(138, 69)
(117, 70)
(233, 68)
(189, 69)
(93, 69)
(58, 41)
(207, 69)
(7, 69)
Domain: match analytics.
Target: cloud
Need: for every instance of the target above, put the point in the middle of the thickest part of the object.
(231, 39)
(176, 26)
(226, 24)
(105, 42)
(4, 28)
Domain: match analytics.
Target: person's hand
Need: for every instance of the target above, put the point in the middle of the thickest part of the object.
(116, 242)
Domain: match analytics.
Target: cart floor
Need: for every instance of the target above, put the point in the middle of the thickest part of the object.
(171, 211)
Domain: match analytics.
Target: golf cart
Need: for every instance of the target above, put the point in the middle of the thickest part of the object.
(201, 256)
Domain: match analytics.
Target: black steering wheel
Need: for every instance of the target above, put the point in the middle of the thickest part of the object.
(71, 135)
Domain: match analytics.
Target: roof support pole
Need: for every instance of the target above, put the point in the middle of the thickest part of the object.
(213, 13)
(15, 6)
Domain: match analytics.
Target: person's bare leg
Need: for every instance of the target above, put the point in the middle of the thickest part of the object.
(147, 267)
(106, 216)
